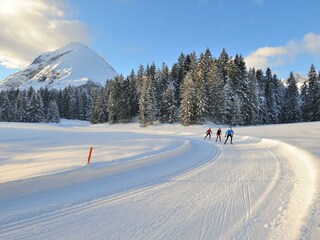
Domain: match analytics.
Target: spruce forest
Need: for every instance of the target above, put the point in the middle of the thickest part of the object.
(195, 89)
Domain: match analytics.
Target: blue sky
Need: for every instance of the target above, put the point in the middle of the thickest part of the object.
(280, 34)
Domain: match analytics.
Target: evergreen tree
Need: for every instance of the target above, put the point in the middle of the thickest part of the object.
(46, 98)
(290, 108)
(238, 94)
(127, 101)
(262, 116)
(114, 100)
(313, 95)
(217, 99)
(133, 100)
(304, 102)
(53, 112)
(178, 73)
(201, 89)
(187, 107)
(251, 108)
(164, 79)
(139, 80)
(21, 107)
(147, 103)
(231, 106)
(8, 110)
(279, 97)
(153, 96)
(59, 100)
(74, 105)
(84, 105)
(311, 102)
(65, 103)
(223, 65)
(270, 92)
(35, 111)
(98, 113)
(168, 107)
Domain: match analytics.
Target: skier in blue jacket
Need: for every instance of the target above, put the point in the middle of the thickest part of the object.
(229, 133)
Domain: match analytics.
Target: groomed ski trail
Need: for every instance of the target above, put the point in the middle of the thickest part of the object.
(253, 189)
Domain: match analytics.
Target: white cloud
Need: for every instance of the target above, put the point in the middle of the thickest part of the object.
(280, 55)
(30, 27)
(311, 43)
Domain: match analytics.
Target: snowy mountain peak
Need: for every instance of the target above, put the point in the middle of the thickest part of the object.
(74, 64)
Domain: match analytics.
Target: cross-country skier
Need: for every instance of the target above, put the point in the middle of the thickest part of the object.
(219, 134)
(208, 132)
(229, 133)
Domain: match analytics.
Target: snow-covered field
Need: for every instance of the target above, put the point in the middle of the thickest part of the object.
(159, 182)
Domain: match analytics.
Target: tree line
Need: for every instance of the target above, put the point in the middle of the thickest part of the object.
(193, 90)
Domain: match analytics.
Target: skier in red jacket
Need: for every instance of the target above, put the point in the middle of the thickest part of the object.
(208, 132)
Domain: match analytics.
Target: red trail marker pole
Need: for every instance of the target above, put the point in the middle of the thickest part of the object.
(89, 157)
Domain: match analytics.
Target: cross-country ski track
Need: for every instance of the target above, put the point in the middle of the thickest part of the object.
(256, 188)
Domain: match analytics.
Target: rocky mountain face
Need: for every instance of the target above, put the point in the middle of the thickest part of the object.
(75, 64)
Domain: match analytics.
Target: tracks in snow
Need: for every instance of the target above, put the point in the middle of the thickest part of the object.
(252, 189)
(105, 184)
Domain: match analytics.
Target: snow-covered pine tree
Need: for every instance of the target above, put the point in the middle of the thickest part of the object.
(164, 79)
(253, 95)
(65, 102)
(143, 110)
(74, 111)
(279, 96)
(53, 112)
(46, 98)
(270, 97)
(147, 103)
(168, 111)
(129, 99)
(188, 98)
(247, 92)
(133, 94)
(231, 105)
(217, 103)
(1, 104)
(223, 65)
(235, 95)
(201, 87)
(21, 107)
(114, 100)
(84, 105)
(35, 111)
(177, 74)
(207, 83)
(304, 102)
(98, 114)
(139, 79)
(262, 116)
(8, 109)
(123, 100)
(30, 92)
(312, 100)
(317, 114)
(290, 107)
(151, 73)
(58, 97)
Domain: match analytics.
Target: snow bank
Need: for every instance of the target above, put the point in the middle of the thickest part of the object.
(302, 196)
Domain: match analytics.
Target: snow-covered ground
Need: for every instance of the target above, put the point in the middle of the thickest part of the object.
(159, 182)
